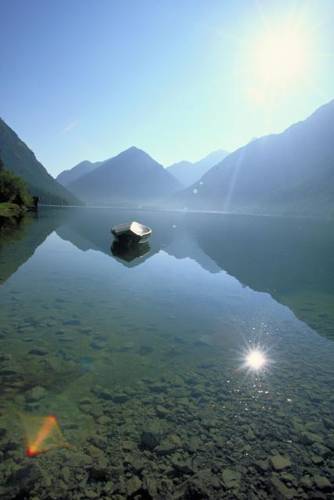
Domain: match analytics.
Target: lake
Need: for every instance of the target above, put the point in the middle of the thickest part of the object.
(198, 366)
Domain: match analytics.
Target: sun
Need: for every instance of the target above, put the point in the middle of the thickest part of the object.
(280, 56)
(278, 61)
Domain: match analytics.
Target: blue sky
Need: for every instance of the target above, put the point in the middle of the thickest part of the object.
(85, 79)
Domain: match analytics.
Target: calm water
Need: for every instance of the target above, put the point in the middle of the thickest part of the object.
(141, 357)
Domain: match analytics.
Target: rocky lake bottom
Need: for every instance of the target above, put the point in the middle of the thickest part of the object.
(144, 369)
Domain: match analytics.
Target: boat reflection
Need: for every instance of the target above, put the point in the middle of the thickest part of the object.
(127, 251)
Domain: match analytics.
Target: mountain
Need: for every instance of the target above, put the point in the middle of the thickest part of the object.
(131, 177)
(182, 171)
(187, 172)
(74, 173)
(291, 173)
(20, 160)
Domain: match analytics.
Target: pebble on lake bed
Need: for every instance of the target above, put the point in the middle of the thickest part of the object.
(280, 462)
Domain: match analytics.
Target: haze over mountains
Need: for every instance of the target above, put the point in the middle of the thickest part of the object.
(102, 186)
(20, 160)
(187, 172)
(67, 176)
(291, 172)
(130, 177)
(287, 173)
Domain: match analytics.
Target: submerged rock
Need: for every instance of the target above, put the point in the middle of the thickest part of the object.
(133, 485)
(169, 444)
(120, 398)
(162, 412)
(193, 444)
(281, 490)
(231, 479)
(194, 489)
(104, 420)
(306, 482)
(322, 483)
(36, 394)
(181, 465)
(24, 478)
(280, 462)
(316, 459)
(149, 440)
(262, 465)
(150, 485)
(38, 351)
(321, 450)
(99, 473)
(310, 438)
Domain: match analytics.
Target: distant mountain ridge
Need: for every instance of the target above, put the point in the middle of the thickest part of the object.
(72, 174)
(20, 160)
(187, 172)
(291, 172)
(131, 177)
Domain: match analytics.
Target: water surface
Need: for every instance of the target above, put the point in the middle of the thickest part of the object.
(141, 356)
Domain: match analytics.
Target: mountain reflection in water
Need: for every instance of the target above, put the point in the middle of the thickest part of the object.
(290, 258)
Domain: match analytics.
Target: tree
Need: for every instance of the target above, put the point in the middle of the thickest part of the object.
(13, 189)
(2, 165)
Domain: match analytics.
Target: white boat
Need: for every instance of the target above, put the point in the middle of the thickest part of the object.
(133, 231)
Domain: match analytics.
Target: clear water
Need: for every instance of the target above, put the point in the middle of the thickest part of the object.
(142, 356)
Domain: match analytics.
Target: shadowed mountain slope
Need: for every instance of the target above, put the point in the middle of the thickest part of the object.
(291, 172)
(20, 160)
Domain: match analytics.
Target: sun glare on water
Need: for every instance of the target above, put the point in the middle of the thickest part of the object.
(255, 360)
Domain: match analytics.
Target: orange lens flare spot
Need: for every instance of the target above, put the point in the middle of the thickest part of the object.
(42, 434)
(31, 451)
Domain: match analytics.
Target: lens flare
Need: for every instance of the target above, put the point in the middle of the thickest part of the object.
(256, 360)
(42, 434)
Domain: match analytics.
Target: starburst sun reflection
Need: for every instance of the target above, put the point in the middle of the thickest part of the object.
(255, 360)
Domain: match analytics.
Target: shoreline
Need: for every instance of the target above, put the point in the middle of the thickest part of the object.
(11, 213)
(185, 211)
(11, 210)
